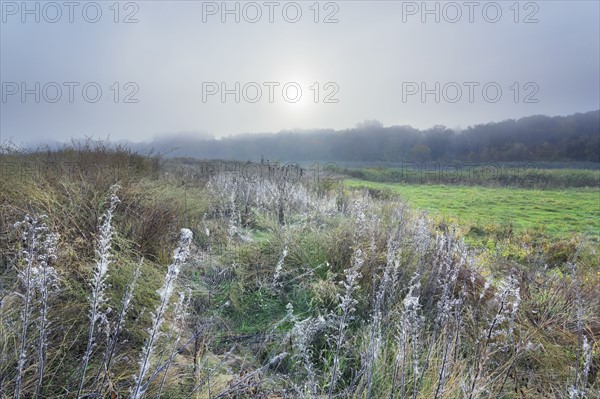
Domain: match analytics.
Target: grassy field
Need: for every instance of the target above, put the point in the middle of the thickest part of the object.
(268, 288)
(516, 175)
(554, 213)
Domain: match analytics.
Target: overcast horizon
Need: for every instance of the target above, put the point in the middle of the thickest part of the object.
(156, 68)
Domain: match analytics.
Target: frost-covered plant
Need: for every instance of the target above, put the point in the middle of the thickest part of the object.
(346, 308)
(246, 382)
(379, 311)
(359, 214)
(421, 237)
(279, 266)
(181, 313)
(39, 279)
(179, 257)
(277, 191)
(395, 249)
(302, 335)
(46, 281)
(443, 275)
(118, 325)
(498, 334)
(449, 308)
(98, 283)
(407, 338)
(578, 389)
(31, 239)
(587, 363)
(232, 231)
(206, 233)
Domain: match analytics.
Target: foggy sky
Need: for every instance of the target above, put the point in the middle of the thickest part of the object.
(373, 56)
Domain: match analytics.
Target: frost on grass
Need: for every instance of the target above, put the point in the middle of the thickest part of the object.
(39, 281)
(180, 255)
(346, 309)
(430, 318)
(98, 310)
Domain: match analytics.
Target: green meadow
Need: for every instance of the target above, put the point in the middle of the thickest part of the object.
(554, 213)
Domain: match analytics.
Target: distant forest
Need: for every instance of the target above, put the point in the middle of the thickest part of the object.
(534, 138)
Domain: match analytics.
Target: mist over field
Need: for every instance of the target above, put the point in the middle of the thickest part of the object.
(313, 199)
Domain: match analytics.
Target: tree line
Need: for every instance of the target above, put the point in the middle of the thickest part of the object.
(534, 138)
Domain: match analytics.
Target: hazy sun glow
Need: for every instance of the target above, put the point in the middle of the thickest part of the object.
(296, 93)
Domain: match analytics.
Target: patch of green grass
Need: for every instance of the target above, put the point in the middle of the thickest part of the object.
(254, 311)
(261, 236)
(555, 213)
